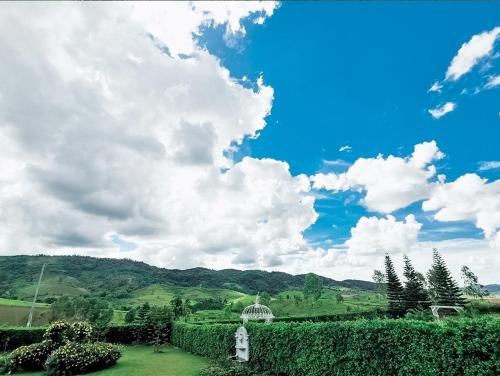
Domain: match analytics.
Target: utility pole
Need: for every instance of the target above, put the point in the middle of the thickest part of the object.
(30, 317)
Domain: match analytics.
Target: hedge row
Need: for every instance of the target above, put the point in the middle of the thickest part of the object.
(13, 337)
(369, 315)
(375, 347)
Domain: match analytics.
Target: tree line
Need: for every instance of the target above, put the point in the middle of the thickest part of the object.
(419, 293)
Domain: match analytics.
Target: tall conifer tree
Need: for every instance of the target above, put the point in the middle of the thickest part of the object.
(394, 289)
(415, 296)
(444, 290)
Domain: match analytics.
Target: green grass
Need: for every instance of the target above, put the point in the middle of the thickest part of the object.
(354, 301)
(52, 287)
(141, 360)
(162, 294)
(20, 303)
(14, 315)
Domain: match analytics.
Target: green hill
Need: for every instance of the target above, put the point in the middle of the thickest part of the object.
(126, 280)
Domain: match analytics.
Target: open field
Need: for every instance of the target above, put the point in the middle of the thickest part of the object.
(15, 312)
(162, 294)
(141, 360)
(20, 303)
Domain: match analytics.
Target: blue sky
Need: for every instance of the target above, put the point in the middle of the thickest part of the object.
(300, 137)
(358, 74)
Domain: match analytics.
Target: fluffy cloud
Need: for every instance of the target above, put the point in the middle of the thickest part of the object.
(442, 110)
(477, 48)
(345, 148)
(179, 23)
(110, 135)
(390, 183)
(469, 198)
(374, 236)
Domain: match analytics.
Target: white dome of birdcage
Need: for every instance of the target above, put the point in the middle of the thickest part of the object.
(257, 311)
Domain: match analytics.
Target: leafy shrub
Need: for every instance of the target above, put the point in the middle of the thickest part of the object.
(3, 364)
(484, 307)
(29, 358)
(362, 347)
(79, 358)
(419, 314)
(13, 337)
(81, 331)
(57, 332)
(228, 368)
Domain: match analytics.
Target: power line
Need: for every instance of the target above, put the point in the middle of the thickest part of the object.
(30, 317)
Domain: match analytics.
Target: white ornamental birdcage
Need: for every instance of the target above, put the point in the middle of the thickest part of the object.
(257, 311)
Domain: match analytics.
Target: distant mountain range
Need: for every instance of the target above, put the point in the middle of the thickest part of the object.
(118, 278)
(493, 288)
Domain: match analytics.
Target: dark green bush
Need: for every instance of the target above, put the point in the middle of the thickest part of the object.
(228, 368)
(484, 307)
(363, 347)
(13, 337)
(29, 358)
(79, 358)
(57, 332)
(133, 334)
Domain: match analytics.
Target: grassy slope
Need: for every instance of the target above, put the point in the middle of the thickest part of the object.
(141, 360)
(162, 294)
(354, 301)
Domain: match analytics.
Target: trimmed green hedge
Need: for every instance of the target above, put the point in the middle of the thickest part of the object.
(13, 337)
(369, 315)
(374, 347)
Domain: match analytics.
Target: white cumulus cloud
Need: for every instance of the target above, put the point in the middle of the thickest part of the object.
(468, 198)
(107, 133)
(372, 237)
(389, 183)
(470, 53)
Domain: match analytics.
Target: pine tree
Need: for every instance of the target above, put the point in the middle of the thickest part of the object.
(415, 296)
(394, 289)
(444, 290)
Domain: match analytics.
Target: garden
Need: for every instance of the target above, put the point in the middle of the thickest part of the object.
(402, 338)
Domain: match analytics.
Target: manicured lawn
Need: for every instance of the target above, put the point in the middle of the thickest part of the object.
(142, 361)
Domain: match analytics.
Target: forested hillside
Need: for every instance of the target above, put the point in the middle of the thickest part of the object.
(119, 278)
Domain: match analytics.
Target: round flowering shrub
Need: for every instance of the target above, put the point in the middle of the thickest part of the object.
(78, 358)
(57, 332)
(81, 331)
(29, 358)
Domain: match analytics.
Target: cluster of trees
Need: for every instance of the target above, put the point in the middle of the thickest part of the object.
(145, 313)
(419, 292)
(94, 310)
